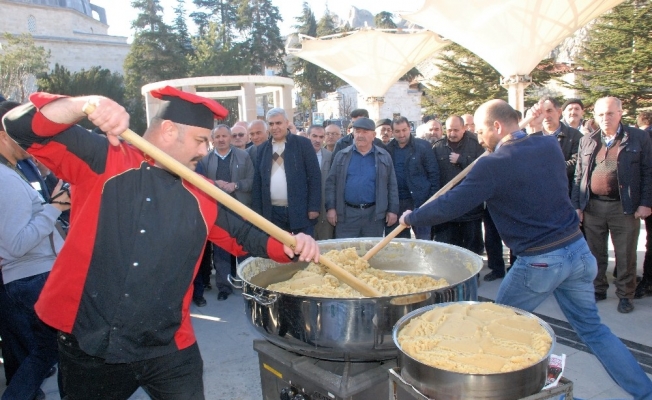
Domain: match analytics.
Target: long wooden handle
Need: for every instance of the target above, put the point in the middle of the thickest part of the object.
(227, 200)
(388, 238)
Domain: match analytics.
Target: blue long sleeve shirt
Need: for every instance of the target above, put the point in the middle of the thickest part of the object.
(526, 189)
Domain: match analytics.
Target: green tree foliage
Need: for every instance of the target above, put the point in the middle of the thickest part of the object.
(156, 54)
(221, 12)
(181, 27)
(21, 61)
(94, 81)
(617, 57)
(258, 23)
(464, 82)
(384, 20)
(312, 79)
(212, 58)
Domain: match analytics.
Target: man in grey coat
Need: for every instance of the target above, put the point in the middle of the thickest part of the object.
(361, 189)
(231, 169)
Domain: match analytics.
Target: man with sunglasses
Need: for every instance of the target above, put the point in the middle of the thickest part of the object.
(239, 136)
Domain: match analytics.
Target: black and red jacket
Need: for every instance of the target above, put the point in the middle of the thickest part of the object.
(122, 283)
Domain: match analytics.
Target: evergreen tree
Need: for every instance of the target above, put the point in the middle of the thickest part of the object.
(257, 21)
(384, 20)
(20, 63)
(312, 79)
(305, 73)
(96, 80)
(156, 54)
(181, 27)
(210, 57)
(221, 12)
(326, 24)
(617, 57)
(464, 82)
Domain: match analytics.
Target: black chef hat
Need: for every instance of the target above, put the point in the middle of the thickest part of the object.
(188, 108)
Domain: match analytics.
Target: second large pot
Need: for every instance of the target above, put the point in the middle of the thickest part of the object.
(357, 329)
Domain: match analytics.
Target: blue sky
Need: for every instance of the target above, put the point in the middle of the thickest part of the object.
(120, 14)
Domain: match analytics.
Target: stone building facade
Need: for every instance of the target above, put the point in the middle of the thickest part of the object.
(400, 100)
(75, 32)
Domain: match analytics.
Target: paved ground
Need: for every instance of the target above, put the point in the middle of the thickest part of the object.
(231, 365)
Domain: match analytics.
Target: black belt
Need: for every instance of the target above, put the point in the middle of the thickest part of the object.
(360, 206)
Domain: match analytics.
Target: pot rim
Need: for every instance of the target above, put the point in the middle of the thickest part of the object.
(407, 317)
(479, 264)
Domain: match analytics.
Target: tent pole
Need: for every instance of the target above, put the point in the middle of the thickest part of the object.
(515, 86)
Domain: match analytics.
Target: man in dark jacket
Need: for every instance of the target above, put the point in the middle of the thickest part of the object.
(417, 173)
(287, 178)
(454, 153)
(568, 138)
(611, 192)
(644, 121)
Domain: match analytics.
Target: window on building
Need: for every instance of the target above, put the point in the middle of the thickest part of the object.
(31, 24)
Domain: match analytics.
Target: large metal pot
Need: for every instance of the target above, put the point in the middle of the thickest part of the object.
(441, 384)
(357, 329)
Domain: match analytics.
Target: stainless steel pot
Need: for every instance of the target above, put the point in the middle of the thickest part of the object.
(357, 329)
(440, 384)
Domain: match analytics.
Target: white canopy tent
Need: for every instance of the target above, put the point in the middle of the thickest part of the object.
(370, 60)
(513, 36)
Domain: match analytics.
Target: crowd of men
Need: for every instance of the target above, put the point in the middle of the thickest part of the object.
(319, 184)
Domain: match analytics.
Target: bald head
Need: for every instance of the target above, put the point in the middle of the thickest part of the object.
(494, 120)
(455, 128)
(469, 123)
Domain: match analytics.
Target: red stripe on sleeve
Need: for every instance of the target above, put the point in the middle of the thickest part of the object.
(275, 251)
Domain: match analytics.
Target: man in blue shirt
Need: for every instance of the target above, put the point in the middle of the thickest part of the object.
(361, 189)
(543, 230)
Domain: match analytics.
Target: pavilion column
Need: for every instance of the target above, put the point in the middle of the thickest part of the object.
(248, 111)
(515, 86)
(286, 101)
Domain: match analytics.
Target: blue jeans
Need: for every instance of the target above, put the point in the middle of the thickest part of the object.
(42, 340)
(568, 273)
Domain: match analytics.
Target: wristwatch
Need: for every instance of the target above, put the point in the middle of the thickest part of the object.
(236, 186)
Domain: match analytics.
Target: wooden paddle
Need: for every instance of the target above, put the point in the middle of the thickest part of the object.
(227, 200)
(388, 238)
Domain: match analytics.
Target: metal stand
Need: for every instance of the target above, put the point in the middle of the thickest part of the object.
(399, 389)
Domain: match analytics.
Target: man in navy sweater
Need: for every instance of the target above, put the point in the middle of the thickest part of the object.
(543, 231)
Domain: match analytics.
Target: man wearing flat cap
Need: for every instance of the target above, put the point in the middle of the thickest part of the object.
(120, 289)
(347, 140)
(384, 130)
(361, 189)
(573, 111)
